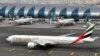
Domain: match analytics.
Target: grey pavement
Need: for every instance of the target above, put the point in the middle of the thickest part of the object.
(45, 25)
(85, 49)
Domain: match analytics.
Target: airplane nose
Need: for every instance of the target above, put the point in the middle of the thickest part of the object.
(9, 38)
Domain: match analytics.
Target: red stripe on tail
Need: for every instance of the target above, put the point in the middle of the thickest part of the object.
(79, 38)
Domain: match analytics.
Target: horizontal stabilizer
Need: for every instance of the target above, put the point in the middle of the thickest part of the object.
(89, 39)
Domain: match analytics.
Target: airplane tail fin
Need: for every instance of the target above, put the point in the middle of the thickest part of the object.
(88, 31)
(86, 34)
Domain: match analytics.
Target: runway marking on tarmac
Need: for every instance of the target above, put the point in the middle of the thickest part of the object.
(11, 49)
(29, 51)
(95, 54)
(72, 54)
(50, 52)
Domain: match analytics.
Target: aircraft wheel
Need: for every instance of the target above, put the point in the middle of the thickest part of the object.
(31, 22)
(12, 43)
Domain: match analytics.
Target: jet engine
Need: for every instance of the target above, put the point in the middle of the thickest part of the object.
(31, 45)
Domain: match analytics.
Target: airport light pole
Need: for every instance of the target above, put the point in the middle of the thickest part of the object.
(87, 20)
(52, 17)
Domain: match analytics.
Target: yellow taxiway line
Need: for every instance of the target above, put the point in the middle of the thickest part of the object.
(29, 51)
(72, 54)
(11, 50)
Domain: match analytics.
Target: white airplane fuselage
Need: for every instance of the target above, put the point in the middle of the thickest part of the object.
(65, 21)
(34, 40)
(43, 39)
(22, 21)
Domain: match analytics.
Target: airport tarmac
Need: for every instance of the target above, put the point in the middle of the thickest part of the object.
(86, 49)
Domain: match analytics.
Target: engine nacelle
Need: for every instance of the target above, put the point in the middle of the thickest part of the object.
(31, 45)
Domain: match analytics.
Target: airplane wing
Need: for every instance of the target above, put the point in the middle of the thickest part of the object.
(43, 43)
(67, 34)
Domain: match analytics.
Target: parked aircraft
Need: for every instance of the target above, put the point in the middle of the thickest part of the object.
(21, 21)
(63, 22)
(34, 40)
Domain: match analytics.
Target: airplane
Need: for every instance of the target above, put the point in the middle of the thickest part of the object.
(34, 40)
(64, 22)
(21, 21)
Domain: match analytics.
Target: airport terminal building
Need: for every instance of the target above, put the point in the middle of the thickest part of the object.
(46, 10)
